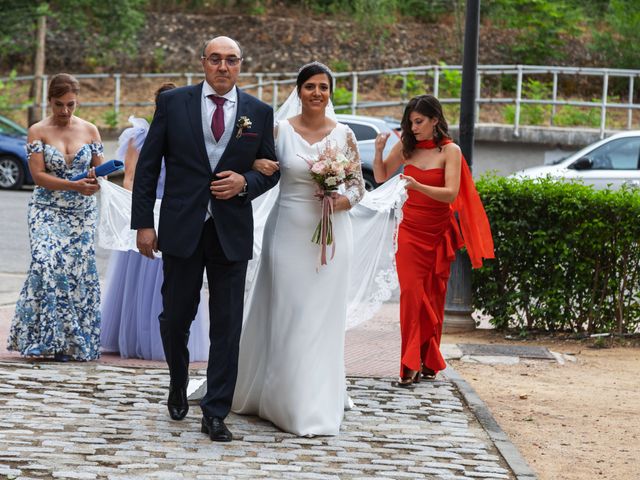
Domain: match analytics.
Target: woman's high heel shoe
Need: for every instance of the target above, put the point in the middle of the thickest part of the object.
(427, 373)
(404, 382)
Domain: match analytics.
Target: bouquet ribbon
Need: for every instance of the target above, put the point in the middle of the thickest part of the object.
(323, 234)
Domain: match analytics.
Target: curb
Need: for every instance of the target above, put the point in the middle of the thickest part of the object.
(508, 450)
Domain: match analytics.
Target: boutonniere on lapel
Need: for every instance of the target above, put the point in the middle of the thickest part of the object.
(243, 122)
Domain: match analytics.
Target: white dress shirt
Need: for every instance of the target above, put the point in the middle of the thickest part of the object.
(230, 106)
(216, 149)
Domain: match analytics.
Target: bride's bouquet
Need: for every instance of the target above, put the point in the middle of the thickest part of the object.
(329, 169)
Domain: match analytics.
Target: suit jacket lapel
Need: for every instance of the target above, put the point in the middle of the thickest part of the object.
(194, 108)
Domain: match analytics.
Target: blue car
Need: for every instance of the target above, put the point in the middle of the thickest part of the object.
(14, 171)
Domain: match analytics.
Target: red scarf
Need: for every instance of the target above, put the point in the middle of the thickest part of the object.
(473, 221)
(429, 144)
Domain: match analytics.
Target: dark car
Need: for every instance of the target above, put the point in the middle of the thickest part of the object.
(14, 171)
(366, 129)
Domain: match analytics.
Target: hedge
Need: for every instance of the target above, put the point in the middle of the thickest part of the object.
(567, 256)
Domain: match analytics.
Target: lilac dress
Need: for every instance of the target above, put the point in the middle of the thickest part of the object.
(132, 300)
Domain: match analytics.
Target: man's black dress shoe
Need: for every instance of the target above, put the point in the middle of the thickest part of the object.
(177, 402)
(216, 429)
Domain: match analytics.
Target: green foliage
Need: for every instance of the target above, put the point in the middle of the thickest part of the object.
(426, 10)
(407, 86)
(567, 256)
(159, 57)
(8, 95)
(450, 83)
(570, 116)
(110, 118)
(375, 15)
(531, 114)
(621, 35)
(106, 26)
(342, 96)
(539, 27)
(339, 65)
(450, 86)
(378, 15)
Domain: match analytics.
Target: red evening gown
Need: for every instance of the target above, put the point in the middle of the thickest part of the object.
(428, 238)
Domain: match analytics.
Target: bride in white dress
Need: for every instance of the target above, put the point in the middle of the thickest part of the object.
(291, 366)
(291, 363)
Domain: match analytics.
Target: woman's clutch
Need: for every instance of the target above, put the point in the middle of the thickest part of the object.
(105, 169)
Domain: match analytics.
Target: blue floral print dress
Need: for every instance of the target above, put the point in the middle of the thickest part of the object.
(59, 306)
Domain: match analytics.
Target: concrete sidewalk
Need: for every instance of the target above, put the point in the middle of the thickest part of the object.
(107, 419)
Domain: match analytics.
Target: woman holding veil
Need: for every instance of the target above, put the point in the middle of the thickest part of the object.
(132, 300)
(291, 365)
(440, 186)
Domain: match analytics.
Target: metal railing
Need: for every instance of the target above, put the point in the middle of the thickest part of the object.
(269, 85)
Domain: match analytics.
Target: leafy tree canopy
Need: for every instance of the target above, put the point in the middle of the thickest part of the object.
(109, 26)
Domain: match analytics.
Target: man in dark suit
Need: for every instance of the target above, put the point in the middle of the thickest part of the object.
(209, 136)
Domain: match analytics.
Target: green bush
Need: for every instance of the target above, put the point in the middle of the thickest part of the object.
(450, 83)
(539, 28)
(531, 114)
(110, 118)
(567, 256)
(570, 116)
(8, 95)
(620, 34)
(342, 96)
(410, 88)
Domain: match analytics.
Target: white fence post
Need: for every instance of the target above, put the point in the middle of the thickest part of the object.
(436, 81)
(603, 112)
(260, 77)
(274, 100)
(43, 98)
(554, 96)
(116, 99)
(630, 111)
(478, 92)
(516, 129)
(354, 93)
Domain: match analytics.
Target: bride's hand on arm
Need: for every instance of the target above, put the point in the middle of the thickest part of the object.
(340, 202)
(265, 166)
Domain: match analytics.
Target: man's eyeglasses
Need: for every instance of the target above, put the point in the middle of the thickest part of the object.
(215, 60)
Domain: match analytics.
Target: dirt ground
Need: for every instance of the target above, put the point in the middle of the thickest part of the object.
(573, 421)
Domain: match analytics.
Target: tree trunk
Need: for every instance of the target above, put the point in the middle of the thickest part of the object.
(38, 72)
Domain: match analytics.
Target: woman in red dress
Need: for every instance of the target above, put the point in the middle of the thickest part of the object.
(439, 184)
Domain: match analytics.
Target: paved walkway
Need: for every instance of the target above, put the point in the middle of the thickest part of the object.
(108, 420)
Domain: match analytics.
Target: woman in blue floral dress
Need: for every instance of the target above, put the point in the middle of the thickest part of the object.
(58, 312)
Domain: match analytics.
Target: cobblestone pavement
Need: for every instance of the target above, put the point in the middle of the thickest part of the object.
(90, 421)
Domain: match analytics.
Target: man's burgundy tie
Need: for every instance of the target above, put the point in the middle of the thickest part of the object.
(217, 121)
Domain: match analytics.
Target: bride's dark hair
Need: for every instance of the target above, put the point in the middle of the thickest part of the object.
(429, 106)
(309, 70)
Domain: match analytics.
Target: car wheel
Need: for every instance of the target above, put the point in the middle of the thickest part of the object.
(369, 182)
(11, 173)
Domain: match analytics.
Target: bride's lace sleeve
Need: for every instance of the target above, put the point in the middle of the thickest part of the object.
(354, 188)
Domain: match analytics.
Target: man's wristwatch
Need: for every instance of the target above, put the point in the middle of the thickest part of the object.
(243, 193)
